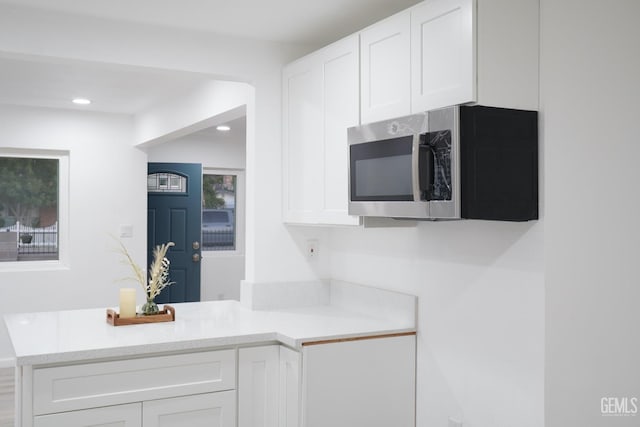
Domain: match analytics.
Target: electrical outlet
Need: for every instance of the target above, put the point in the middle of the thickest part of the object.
(454, 422)
(312, 248)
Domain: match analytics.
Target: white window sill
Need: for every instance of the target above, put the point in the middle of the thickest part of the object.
(221, 254)
(20, 266)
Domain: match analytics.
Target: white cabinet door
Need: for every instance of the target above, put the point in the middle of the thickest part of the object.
(258, 383)
(90, 385)
(129, 415)
(302, 141)
(320, 100)
(289, 388)
(360, 383)
(443, 54)
(201, 410)
(385, 72)
(340, 90)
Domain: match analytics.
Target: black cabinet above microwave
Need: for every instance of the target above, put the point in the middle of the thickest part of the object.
(472, 162)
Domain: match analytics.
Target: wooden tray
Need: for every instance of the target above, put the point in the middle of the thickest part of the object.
(167, 314)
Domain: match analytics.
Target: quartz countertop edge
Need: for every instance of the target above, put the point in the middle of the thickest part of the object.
(49, 338)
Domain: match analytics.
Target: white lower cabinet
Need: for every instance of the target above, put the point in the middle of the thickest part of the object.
(363, 382)
(97, 384)
(368, 382)
(258, 386)
(290, 385)
(129, 415)
(202, 410)
(190, 389)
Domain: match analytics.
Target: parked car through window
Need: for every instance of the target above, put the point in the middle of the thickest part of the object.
(218, 231)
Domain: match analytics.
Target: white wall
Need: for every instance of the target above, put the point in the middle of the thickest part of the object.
(106, 189)
(176, 117)
(221, 271)
(273, 252)
(590, 93)
(212, 150)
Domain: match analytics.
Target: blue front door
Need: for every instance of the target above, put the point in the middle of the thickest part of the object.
(174, 215)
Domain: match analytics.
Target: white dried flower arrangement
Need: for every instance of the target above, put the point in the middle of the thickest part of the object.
(158, 270)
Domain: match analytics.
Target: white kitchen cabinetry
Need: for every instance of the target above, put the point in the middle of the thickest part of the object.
(320, 101)
(385, 78)
(88, 385)
(194, 389)
(289, 406)
(474, 51)
(201, 410)
(258, 383)
(443, 53)
(446, 52)
(302, 139)
(111, 416)
(368, 382)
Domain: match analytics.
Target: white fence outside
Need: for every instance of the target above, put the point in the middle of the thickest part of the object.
(35, 240)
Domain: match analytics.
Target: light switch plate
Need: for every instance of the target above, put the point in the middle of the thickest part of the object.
(126, 230)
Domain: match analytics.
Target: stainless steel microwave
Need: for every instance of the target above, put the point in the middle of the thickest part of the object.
(473, 162)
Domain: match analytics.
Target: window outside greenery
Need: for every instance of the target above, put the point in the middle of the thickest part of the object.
(28, 209)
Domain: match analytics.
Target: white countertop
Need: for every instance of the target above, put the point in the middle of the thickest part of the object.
(64, 336)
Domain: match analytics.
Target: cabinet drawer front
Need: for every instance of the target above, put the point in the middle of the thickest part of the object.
(112, 416)
(202, 410)
(66, 388)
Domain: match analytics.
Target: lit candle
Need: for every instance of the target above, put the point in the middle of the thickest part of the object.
(127, 302)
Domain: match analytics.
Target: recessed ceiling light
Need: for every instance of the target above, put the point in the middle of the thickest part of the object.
(81, 101)
(223, 128)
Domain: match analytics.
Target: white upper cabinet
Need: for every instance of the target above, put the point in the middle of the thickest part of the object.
(474, 51)
(321, 100)
(302, 139)
(385, 79)
(443, 68)
(340, 111)
(447, 52)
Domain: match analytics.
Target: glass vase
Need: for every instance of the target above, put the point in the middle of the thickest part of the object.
(150, 307)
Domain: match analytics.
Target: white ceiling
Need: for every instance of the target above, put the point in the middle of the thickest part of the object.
(112, 89)
(292, 21)
(128, 90)
(237, 132)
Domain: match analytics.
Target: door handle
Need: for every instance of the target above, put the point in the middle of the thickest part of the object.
(195, 245)
(195, 257)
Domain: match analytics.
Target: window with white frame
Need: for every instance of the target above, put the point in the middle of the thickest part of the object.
(30, 223)
(221, 210)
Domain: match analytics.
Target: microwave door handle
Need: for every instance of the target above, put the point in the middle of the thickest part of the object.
(425, 170)
(415, 167)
